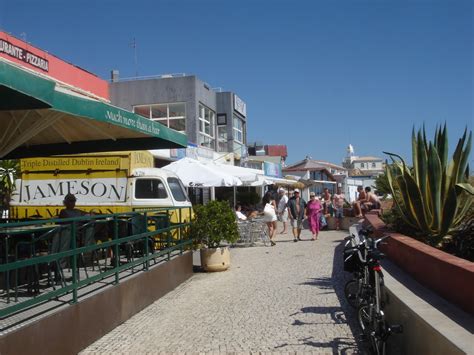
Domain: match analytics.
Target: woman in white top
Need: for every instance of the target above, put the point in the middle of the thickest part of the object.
(283, 209)
(269, 215)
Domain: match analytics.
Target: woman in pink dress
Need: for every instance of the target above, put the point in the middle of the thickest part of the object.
(313, 208)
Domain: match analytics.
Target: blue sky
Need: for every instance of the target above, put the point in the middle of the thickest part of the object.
(316, 75)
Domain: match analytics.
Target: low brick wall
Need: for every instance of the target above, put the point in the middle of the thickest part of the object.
(72, 328)
(449, 276)
(345, 223)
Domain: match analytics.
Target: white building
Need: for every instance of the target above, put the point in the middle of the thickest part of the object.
(362, 171)
(368, 164)
(362, 166)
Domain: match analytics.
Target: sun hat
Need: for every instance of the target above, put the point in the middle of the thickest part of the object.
(312, 194)
(297, 190)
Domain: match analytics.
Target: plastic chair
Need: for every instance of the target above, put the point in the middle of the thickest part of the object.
(258, 232)
(244, 232)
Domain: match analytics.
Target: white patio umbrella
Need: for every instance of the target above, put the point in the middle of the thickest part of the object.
(246, 175)
(193, 173)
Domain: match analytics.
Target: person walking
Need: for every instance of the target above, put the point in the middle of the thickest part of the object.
(283, 210)
(296, 208)
(269, 215)
(313, 210)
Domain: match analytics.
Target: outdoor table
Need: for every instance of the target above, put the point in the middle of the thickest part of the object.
(20, 231)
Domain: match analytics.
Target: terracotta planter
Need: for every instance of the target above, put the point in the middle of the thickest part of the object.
(449, 276)
(215, 259)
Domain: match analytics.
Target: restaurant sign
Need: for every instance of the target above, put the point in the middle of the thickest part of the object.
(272, 169)
(24, 55)
(137, 122)
(240, 106)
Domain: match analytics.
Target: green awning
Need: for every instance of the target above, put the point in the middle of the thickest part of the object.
(19, 89)
(40, 118)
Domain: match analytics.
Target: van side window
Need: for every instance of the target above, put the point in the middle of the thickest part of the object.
(150, 188)
(177, 189)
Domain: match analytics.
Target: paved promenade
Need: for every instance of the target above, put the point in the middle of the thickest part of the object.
(283, 299)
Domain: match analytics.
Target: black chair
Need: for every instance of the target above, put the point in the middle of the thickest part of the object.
(138, 224)
(161, 221)
(50, 242)
(86, 237)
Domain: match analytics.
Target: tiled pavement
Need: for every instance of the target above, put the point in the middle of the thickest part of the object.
(283, 299)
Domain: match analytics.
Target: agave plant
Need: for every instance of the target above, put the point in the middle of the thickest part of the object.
(434, 195)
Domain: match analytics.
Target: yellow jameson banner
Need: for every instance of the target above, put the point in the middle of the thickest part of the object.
(129, 160)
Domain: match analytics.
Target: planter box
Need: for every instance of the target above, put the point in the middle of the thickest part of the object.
(449, 276)
(345, 223)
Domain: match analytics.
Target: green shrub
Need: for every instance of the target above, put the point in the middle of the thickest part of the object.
(214, 223)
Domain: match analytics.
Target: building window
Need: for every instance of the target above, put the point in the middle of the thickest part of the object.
(169, 115)
(221, 119)
(238, 127)
(222, 138)
(362, 165)
(206, 126)
(373, 165)
(254, 165)
(237, 149)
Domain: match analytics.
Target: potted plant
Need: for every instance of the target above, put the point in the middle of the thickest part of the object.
(213, 224)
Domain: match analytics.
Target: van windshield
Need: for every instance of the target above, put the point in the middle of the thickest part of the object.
(150, 188)
(177, 189)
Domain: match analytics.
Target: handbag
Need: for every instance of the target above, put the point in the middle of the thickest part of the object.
(269, 211)
(305, 223)
(322, 221)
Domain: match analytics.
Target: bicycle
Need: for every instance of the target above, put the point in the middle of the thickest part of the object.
(368, 287)
(354, 263)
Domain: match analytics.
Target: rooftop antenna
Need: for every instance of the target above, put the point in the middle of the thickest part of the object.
(133, 44)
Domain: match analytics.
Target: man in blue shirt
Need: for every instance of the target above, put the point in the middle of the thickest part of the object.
(296, 208)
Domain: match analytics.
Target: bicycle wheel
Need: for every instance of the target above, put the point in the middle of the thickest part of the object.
(377, 345)
(364, 317)
(351, 291)
(373, 329)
